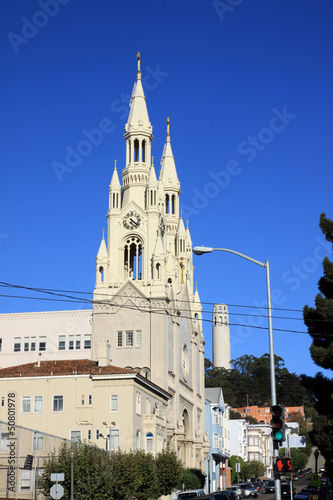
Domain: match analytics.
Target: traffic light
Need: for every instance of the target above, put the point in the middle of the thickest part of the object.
(28, 462)
(277, 423)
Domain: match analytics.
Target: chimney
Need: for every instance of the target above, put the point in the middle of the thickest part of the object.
(104, 353)
(39, 358)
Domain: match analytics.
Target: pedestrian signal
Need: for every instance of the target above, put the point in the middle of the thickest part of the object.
(284, 465)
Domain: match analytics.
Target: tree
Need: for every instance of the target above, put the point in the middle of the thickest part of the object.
(247, 383)
(192, 479)
(233, 460)
(169, 472)
(115, 476)
(253, 469)
(96, 484)
(319, 321)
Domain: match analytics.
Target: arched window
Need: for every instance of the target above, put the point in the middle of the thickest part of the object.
(149, 441)
(101, 274)
(136, 150)
(158, 271)
(133, 258)
(173, 202)
(167, 203)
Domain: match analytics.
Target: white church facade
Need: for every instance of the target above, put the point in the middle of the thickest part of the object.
(146, 315)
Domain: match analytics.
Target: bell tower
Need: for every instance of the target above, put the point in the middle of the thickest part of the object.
(138, 136)
(144, 307)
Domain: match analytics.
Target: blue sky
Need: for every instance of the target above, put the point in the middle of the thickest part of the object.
(248, 88)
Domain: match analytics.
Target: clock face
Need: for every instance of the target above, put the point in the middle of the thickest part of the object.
(132, 220)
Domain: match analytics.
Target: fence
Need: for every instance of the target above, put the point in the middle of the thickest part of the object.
(23, 452)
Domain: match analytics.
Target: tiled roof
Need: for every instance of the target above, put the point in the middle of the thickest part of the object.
(62, 367)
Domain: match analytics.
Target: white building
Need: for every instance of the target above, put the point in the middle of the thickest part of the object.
(146, 315)
(238, 438)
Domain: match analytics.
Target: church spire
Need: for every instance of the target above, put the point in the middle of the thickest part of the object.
(138, 119)
(138, 136)
(168, 171)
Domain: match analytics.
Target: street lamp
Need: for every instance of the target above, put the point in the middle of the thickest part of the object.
(72, 473)
(316, 455)
(201, 250)
(208, 470)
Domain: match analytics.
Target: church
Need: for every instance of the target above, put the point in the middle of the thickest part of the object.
(146, 311)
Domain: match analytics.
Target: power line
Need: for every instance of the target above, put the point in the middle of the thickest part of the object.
(148, 310)
(54, 291)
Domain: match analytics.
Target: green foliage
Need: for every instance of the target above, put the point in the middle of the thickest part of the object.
(85, 458)
(253, 469)
(233, 461)
(169, 471)
(247, 383)
(319, 321)
(193, 479)
(118, 476)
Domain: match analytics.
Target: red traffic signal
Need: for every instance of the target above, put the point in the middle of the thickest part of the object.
(284, 465)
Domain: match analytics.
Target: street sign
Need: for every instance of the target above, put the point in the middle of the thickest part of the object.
(58, 477)
(56, 491)
(315, 480)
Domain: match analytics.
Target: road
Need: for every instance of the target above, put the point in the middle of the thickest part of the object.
(298, 485)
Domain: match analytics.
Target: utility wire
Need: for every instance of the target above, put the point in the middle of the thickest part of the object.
(148, 310)
(46, 290)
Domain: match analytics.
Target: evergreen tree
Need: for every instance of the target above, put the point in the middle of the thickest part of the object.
(319, 321)
(247, 383)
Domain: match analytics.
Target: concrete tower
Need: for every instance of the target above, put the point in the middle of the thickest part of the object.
(144, 306)
(221, 337)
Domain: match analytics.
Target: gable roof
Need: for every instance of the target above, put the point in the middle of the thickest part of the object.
(212, 394)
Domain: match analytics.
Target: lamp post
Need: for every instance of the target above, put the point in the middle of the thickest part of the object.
(208, 470)
(316, 455)
(199, 250)
(72, 473)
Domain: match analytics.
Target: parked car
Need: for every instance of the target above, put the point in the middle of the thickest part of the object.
(270, 486)
(248, 490)
(223, 495)
(257, 486)
(285, 490)
(237, 490)
(190, 494)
